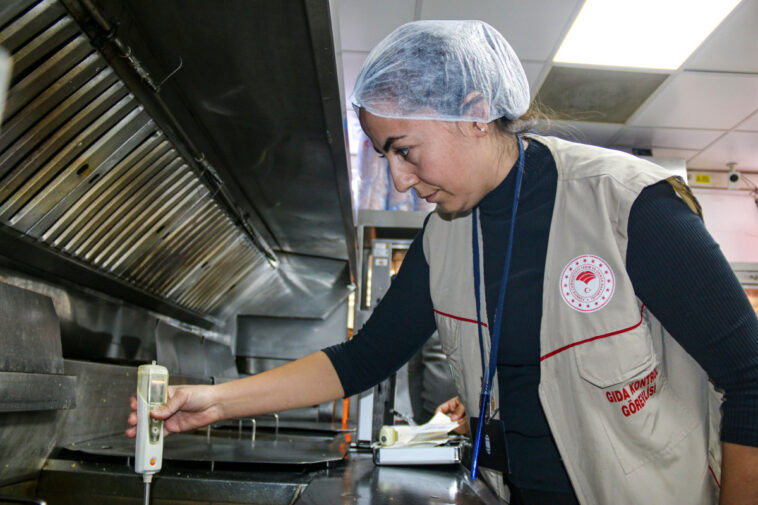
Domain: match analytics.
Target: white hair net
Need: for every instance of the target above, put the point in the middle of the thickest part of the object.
(440, 70)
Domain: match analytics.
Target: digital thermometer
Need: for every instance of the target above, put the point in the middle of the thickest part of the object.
(152, 393)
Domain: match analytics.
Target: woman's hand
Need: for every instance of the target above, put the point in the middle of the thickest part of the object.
(308, 381)
(455, 410)
(188, 407)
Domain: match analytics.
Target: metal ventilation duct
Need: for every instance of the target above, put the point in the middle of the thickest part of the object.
(86, 171)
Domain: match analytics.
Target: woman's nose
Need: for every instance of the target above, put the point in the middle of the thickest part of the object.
(403, 178)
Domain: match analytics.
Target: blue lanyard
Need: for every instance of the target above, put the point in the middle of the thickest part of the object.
(495, 334)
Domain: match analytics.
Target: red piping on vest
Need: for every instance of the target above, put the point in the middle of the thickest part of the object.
(557, 351)
(714, 476)
(458, 318)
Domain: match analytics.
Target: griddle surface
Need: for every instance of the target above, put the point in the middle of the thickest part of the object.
(284, 449)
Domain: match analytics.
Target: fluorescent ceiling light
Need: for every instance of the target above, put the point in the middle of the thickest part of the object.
(657, 34)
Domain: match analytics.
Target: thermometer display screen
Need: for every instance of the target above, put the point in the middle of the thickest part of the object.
(157, 391)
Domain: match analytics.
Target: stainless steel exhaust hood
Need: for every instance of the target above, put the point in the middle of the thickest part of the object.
(169, 153)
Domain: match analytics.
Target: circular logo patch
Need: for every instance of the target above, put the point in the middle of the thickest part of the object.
(587, 283)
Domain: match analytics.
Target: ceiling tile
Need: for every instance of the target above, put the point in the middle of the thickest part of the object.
(598, 134)
(533, 28)
(700, 100)
(364, 24)
(596, 95)
(667, 137)
(738, 147)
(351, 66)
(750, 123)
(733, 46)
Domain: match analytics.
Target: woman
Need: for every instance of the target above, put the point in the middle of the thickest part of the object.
(575, 259)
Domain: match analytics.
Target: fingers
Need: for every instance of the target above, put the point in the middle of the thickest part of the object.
(185, 409)
(443, 407)
(463, 427)
(131, 432)
(447, 406)
(177, 398)
(453, 408)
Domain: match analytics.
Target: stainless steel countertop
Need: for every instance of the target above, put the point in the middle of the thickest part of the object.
(255, 475)
(360, 482)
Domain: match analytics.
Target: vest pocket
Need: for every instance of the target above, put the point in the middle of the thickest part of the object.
(626, 391)
(652, 425)
(615, 359)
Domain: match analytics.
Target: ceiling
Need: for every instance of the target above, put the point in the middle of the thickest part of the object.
(705, 112)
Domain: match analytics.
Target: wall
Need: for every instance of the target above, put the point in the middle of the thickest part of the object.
(732, 218)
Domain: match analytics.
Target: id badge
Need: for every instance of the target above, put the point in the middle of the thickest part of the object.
(492, 448)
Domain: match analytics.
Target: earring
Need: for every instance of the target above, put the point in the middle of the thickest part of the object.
(482, 129)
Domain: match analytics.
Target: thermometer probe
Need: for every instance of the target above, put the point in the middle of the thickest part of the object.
(152, 393)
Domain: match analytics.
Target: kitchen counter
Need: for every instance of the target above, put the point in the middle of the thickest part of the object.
(356, 480)
(359, 481)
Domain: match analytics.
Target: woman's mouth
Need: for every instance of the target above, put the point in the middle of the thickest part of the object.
(430, 196)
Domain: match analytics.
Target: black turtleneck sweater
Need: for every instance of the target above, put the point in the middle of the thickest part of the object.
(673, 263)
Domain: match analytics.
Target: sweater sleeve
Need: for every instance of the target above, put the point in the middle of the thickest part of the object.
(681, 275)
(398, 327)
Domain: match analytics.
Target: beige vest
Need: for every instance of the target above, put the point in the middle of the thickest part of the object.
(633, 415)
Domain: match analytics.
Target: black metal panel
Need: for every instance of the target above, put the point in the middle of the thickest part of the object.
(36, 391)
(30, 336)
(102, 397)
(26, 440)
(32, 363)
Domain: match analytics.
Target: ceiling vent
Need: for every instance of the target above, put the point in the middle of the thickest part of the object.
(595, 95)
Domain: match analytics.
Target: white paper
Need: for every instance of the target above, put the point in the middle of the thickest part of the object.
(434, 432)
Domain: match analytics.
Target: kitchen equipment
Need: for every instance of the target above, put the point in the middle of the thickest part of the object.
(152, 393)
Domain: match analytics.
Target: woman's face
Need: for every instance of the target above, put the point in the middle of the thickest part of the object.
(446, 163)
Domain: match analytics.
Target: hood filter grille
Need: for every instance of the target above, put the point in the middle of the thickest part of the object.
(85, 170)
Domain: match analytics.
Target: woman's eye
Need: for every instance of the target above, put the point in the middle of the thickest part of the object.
(403, 151)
